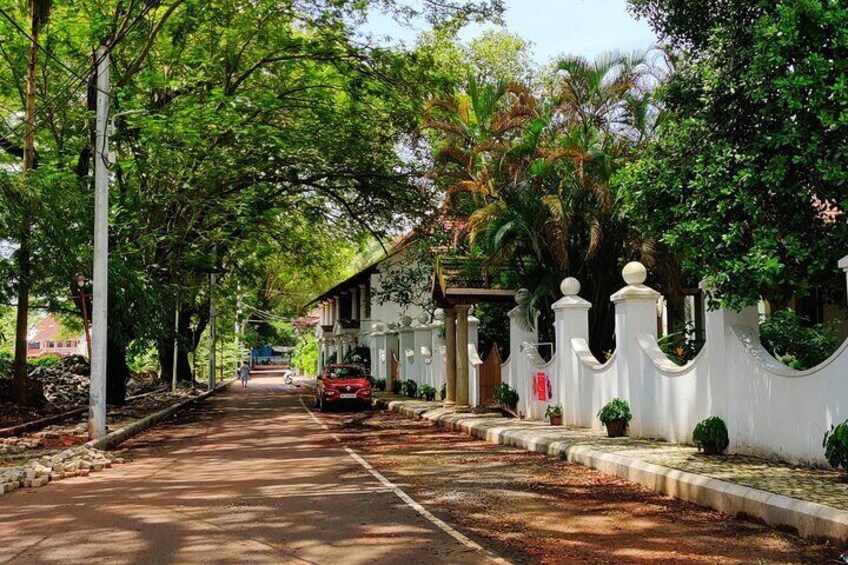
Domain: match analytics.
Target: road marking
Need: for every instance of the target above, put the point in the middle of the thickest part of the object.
(452, 532)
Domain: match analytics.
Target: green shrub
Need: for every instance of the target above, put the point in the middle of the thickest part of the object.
(49, 360)
(795, 342)
(410, 388)
(712, 430)
(616, 409)
(397, 386)
(428, 392)
(360, 356)
(682, 345)
(836, 446)
(553, 410)
(380, 384)
(5, 364)
(444, 392)
(506, 395)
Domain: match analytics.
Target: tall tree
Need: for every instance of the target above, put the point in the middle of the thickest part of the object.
(746, 182)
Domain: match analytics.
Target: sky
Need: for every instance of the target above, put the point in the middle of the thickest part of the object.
(577, 27)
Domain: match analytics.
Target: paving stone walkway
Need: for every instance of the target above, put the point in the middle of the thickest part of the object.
(822, 486)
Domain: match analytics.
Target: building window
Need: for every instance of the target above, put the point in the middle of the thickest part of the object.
(34, 345)
(51, 344)
(69, 343)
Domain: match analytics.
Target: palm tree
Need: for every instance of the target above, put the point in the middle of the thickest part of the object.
(539, 173)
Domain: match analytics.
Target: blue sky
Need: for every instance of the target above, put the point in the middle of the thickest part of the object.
(584, 27)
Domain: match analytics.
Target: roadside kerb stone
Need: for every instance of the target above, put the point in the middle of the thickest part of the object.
(807, 519)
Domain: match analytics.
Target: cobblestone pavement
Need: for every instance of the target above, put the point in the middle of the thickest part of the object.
(822, 486)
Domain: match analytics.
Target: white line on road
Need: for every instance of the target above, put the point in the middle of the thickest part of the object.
(452, 532)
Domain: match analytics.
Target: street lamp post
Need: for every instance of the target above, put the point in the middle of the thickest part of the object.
(81, 280)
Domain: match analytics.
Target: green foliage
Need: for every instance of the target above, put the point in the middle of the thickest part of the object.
(793, 341)
(532, 175)
(444, 391)
(380, 384)
(428, 392)
(360, 356)
(506, 395)
(553, 410)
(142, 357)
(397, 386)
(616, 409)
(253, 137)
(5, 364)
(410, 388)
(835, 444)
(49, 360)
(305, 354)
(712, 430)
(683, 345)
(745, 182)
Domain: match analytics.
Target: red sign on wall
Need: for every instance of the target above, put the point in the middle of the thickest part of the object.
(542, 386)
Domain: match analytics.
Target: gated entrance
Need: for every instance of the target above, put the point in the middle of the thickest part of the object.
(490, 375)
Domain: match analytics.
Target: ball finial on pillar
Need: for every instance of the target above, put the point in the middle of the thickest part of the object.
(634, 273)
(570, 287)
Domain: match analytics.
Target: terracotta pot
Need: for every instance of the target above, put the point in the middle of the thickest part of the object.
(616, 428)
(556, 420)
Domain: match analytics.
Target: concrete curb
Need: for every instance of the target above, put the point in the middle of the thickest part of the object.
(117, 437)
(806, 519)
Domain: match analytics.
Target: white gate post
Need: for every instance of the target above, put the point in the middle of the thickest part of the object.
(571, 321)
(635, 315)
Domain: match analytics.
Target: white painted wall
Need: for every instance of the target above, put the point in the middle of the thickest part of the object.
(769, 409)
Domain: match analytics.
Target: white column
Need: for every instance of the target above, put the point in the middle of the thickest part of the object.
(354, 304)
(843, 264)
(437, 344)
(635, 316)
(339, 350)
(335, 311)
(571, 321)
(406, 340)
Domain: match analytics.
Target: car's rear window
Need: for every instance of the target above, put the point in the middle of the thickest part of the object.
(344, 373)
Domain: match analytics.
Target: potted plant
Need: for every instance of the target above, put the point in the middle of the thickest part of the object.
(710, 436)
(616, 416)
(380, 384)
(506, 395)
(836, 447)
(554, 414)
(397, 387)
(410, 388)
(444, 392)
(428, 393)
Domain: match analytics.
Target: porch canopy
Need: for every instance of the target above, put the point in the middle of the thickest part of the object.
(459, 282)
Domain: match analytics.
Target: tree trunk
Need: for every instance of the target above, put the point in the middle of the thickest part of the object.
(24, 258)
(117, 373)
(188, 340)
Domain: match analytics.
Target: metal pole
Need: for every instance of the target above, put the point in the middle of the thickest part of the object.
(212, 280)
(176, 347)
(99, 329)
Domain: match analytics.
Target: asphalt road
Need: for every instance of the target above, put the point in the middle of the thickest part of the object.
(250, 477)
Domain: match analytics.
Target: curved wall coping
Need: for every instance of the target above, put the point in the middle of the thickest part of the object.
(651, 349)
(536, 360)
(766, 360)
(581, 348)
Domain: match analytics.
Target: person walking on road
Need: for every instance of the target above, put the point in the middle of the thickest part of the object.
(243, 374)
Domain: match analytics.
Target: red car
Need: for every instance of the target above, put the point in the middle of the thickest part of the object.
(342, 385)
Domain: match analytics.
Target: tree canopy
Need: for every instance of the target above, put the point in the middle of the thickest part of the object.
(746, 181)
